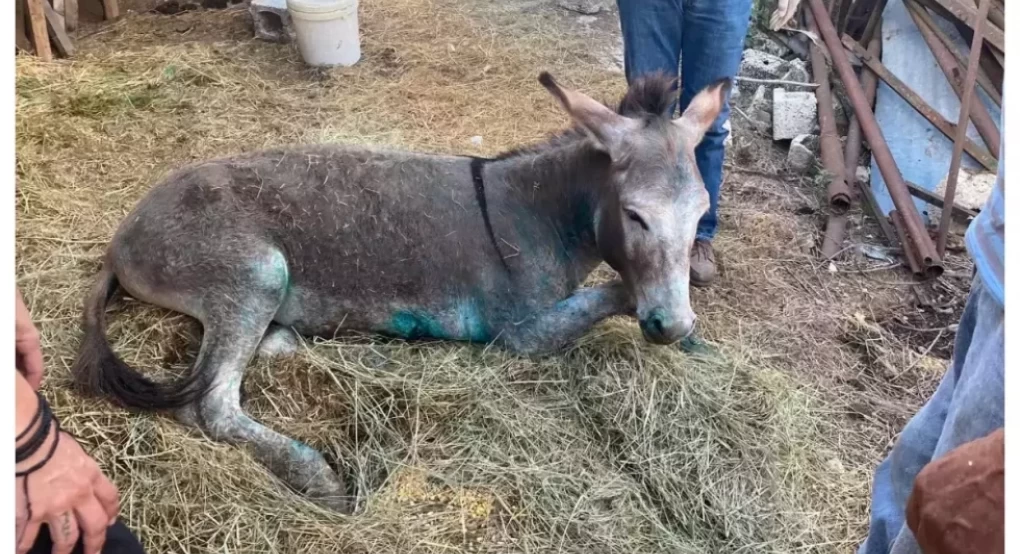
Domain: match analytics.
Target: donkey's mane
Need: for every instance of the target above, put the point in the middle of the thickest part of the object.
(649, 97)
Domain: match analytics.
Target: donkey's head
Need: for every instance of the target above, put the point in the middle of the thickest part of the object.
(647, 212)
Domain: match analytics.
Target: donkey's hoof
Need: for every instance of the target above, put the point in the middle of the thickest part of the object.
(278, 342)
(341, 504)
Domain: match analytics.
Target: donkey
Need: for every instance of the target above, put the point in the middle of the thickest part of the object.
(315, 240)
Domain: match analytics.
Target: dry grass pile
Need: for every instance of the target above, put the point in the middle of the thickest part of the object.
(615, 446)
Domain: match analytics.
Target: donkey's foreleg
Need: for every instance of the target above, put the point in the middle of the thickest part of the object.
(568, 320)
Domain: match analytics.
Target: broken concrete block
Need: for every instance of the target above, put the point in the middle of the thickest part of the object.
(793, 113)
(760, 110)
(803, 153)
(761, 65)
(797, 72)
(972, 191)
(272, 22)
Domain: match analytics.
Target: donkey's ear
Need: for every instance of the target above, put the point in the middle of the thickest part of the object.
(703, 110)
(604, 125)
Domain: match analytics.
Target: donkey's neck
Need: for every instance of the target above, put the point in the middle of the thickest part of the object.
(560, 182)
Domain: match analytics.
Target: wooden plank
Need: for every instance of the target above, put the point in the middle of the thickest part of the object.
(71, 14)
(942, 124)
(58, 9)
(20, 32)
(40, 37)
(111, 9)
(56, 30)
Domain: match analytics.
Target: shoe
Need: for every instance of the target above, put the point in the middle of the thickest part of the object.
(703, 268)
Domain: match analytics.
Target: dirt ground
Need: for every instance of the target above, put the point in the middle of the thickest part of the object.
(616, 446)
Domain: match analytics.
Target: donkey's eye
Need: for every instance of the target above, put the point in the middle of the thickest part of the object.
(633, 216)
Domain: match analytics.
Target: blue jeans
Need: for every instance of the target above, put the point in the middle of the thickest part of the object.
(710, 36)
(967, 405)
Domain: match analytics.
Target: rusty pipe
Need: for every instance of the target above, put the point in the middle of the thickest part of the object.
(832, 157)
(832, 240)
(876, 212)
(906, 245)
(935, 118)
(916, 9)
(982, 120)
(879, 148)
(966, 103)
(869, 82)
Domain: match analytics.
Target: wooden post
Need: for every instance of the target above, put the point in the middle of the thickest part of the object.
(71, 14)
(58, 12)
(40, 37)
(111, 9)
(56, 28)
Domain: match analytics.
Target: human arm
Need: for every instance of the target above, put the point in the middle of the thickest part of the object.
(956, 506)
(62, 486)
(26, 344)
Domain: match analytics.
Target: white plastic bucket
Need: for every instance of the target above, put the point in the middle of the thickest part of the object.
(327, 31)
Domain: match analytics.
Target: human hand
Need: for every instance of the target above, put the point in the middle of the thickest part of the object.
(957, 502)
(26, 344)
(784, 12)
(69, 494)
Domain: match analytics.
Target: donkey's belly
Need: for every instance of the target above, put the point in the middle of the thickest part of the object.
(316, 314)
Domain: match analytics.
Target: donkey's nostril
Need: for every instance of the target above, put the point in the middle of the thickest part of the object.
(656, 325)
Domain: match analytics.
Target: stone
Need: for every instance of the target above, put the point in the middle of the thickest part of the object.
(761, 65)
(272, 22)
(761, 109)
(772, 47)
(476, 140)
(584, 7)
(803, 153)
(972, 191)
(793, 113)
(728, 125)
(797, 72)
(862, 175)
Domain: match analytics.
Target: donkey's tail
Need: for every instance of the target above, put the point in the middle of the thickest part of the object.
(97, 369)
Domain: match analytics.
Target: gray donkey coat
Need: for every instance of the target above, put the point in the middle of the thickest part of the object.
(321, 239)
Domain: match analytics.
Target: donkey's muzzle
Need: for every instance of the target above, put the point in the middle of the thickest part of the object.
(660, 327)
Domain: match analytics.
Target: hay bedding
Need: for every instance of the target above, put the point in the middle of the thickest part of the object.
(615, 446)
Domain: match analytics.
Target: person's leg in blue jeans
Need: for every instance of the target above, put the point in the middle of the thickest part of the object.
(708, 35)
(967, 405)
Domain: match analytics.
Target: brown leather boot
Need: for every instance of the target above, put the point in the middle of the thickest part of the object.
(703, 268)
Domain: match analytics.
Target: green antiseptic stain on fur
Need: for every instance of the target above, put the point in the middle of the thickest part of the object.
(472, 326)
(416, 324)
(411, 325)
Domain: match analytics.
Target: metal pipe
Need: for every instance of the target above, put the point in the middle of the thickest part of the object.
(873, 23)
(934, 117)
(832, 240)
(982, 120)
(935, 200)
(906, 245)
(961, 126)
(966, 14)
(832, 157)
(883, 222)
(879, 148)
(869, 82)
(917, 10)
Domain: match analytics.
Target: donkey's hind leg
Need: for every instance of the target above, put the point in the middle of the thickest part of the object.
(228, 346)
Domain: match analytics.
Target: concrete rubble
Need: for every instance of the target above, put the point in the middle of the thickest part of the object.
(803, 153)
(972, 191)
(272, 22)
(793, 113)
